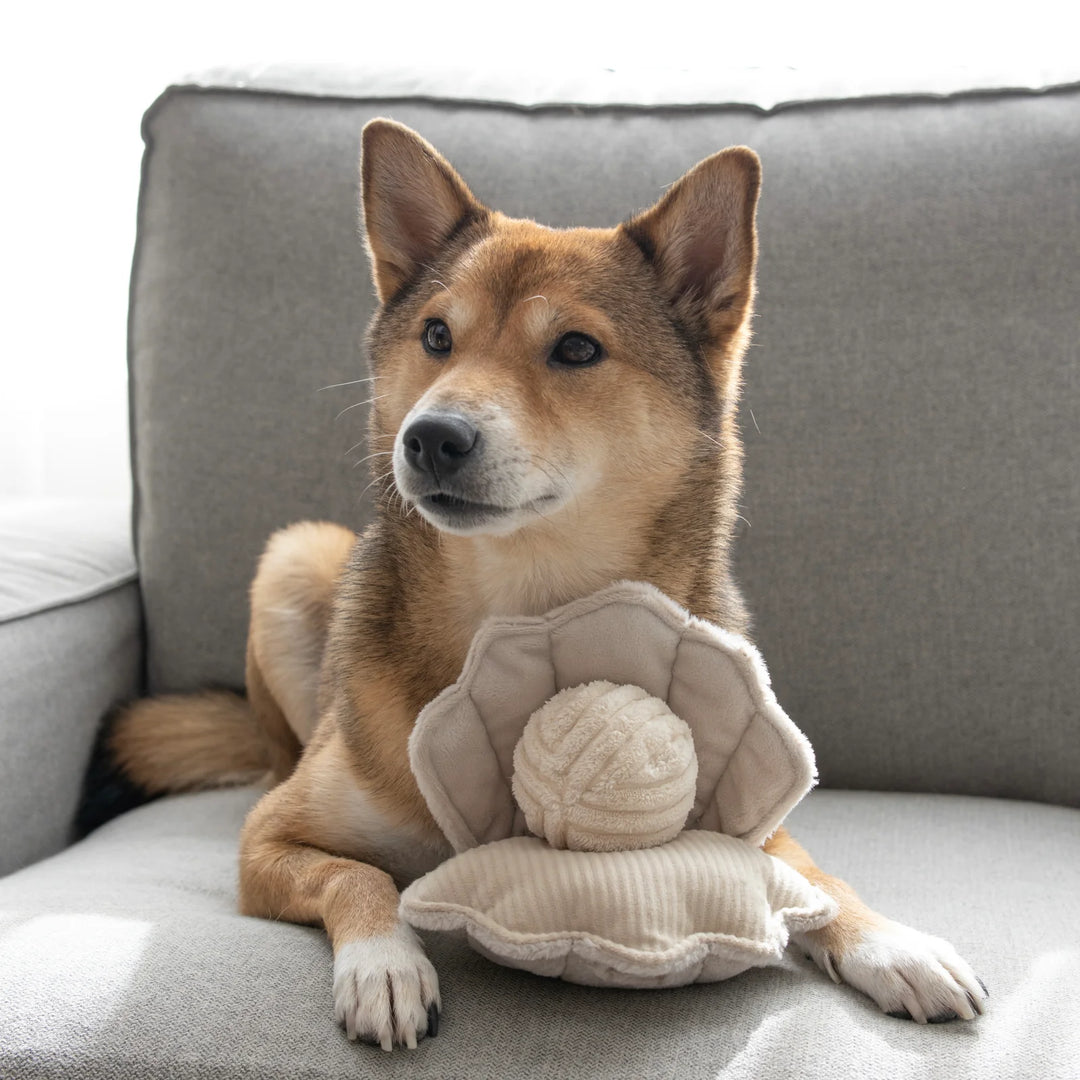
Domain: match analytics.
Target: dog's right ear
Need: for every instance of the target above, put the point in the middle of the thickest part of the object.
(413, 200)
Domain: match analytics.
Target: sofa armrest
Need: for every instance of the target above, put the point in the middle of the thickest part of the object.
(70, 647)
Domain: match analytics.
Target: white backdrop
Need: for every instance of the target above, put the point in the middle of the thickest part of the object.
(75, 78)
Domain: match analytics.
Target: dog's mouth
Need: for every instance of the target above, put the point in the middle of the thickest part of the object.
(445, 503)
(444, 509)
(453, 513)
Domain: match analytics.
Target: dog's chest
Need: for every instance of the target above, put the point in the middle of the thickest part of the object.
(404, 851)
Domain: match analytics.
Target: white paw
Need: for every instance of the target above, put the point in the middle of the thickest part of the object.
(386, 990)
(909, 974)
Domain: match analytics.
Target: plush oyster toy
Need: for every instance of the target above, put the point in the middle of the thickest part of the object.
(606, 774)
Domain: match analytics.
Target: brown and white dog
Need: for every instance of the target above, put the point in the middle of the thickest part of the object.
(555, 410)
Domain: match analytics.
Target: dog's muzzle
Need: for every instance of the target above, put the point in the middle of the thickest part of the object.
(440, 450)
(467, 474)
(438, 444)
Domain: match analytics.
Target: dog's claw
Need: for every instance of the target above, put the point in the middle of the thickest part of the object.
(830, 967)
(910, 975)
(384, 989)
(433, 1020)
(942, 1018)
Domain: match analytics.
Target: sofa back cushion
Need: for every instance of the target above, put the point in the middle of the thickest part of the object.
(910, 540)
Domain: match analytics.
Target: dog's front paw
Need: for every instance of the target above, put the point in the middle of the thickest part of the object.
(386, 990)
(909, 974)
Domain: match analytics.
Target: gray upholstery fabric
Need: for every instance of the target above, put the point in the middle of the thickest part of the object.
(123, 957)
(69, 648)
(913, 559)
(55, 552)
(911, 402)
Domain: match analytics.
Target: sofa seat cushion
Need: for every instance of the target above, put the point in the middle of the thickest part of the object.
(124, 956)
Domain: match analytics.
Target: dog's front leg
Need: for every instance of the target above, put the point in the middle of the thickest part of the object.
(386, 990)
(909, 974)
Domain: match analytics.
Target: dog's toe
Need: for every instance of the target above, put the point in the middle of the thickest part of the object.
(386, 992)
(910, 975)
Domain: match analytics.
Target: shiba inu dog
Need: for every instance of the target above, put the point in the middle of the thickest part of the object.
(554, 410)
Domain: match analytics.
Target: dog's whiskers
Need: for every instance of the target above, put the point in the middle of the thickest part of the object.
(378, 397)
(546, 473)
(542, 461)
(378, 453)
(352, 382)
(435, 281)
(541, 514)
(377, 480)
(706, 435)
(394, 494)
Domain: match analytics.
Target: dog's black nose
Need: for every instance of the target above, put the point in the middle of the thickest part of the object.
(439, 443)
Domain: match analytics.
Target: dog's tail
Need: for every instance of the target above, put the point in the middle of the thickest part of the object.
(187, 742)
(170, 744)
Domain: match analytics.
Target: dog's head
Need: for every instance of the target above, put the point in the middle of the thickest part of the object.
(525, 374)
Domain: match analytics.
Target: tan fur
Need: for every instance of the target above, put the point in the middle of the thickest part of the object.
(185, 742)
(627, 468)
(844, 933)
(655, 503)
(291, 600)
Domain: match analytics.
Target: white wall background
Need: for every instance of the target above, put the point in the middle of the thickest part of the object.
(75, 78)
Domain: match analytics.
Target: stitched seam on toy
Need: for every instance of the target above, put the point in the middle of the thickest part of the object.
(731, 757)
(506, 782)
(430, 783)
(625, 597)
(769, 710)
(478, 918)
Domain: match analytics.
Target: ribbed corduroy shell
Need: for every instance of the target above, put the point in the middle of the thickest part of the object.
(701, 908)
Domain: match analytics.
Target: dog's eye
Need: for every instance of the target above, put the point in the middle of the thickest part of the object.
(576, 350)
(436, 337)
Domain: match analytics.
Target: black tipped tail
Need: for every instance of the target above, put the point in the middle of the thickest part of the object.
(174, 743)
(107, 791)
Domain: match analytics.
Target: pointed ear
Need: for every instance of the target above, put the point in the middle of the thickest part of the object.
(702, 239)
(412, 201)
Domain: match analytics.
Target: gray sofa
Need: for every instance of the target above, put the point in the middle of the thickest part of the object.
(911, 551)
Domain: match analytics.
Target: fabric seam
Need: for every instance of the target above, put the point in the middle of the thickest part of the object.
(90, 592)
(898, 98)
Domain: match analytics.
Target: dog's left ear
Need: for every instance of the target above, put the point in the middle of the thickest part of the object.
(702, 239)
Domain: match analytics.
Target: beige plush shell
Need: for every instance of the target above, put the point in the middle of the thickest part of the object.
(602, 767)
(754, 764)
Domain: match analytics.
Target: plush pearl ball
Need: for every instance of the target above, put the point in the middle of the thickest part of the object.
(602, 767)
